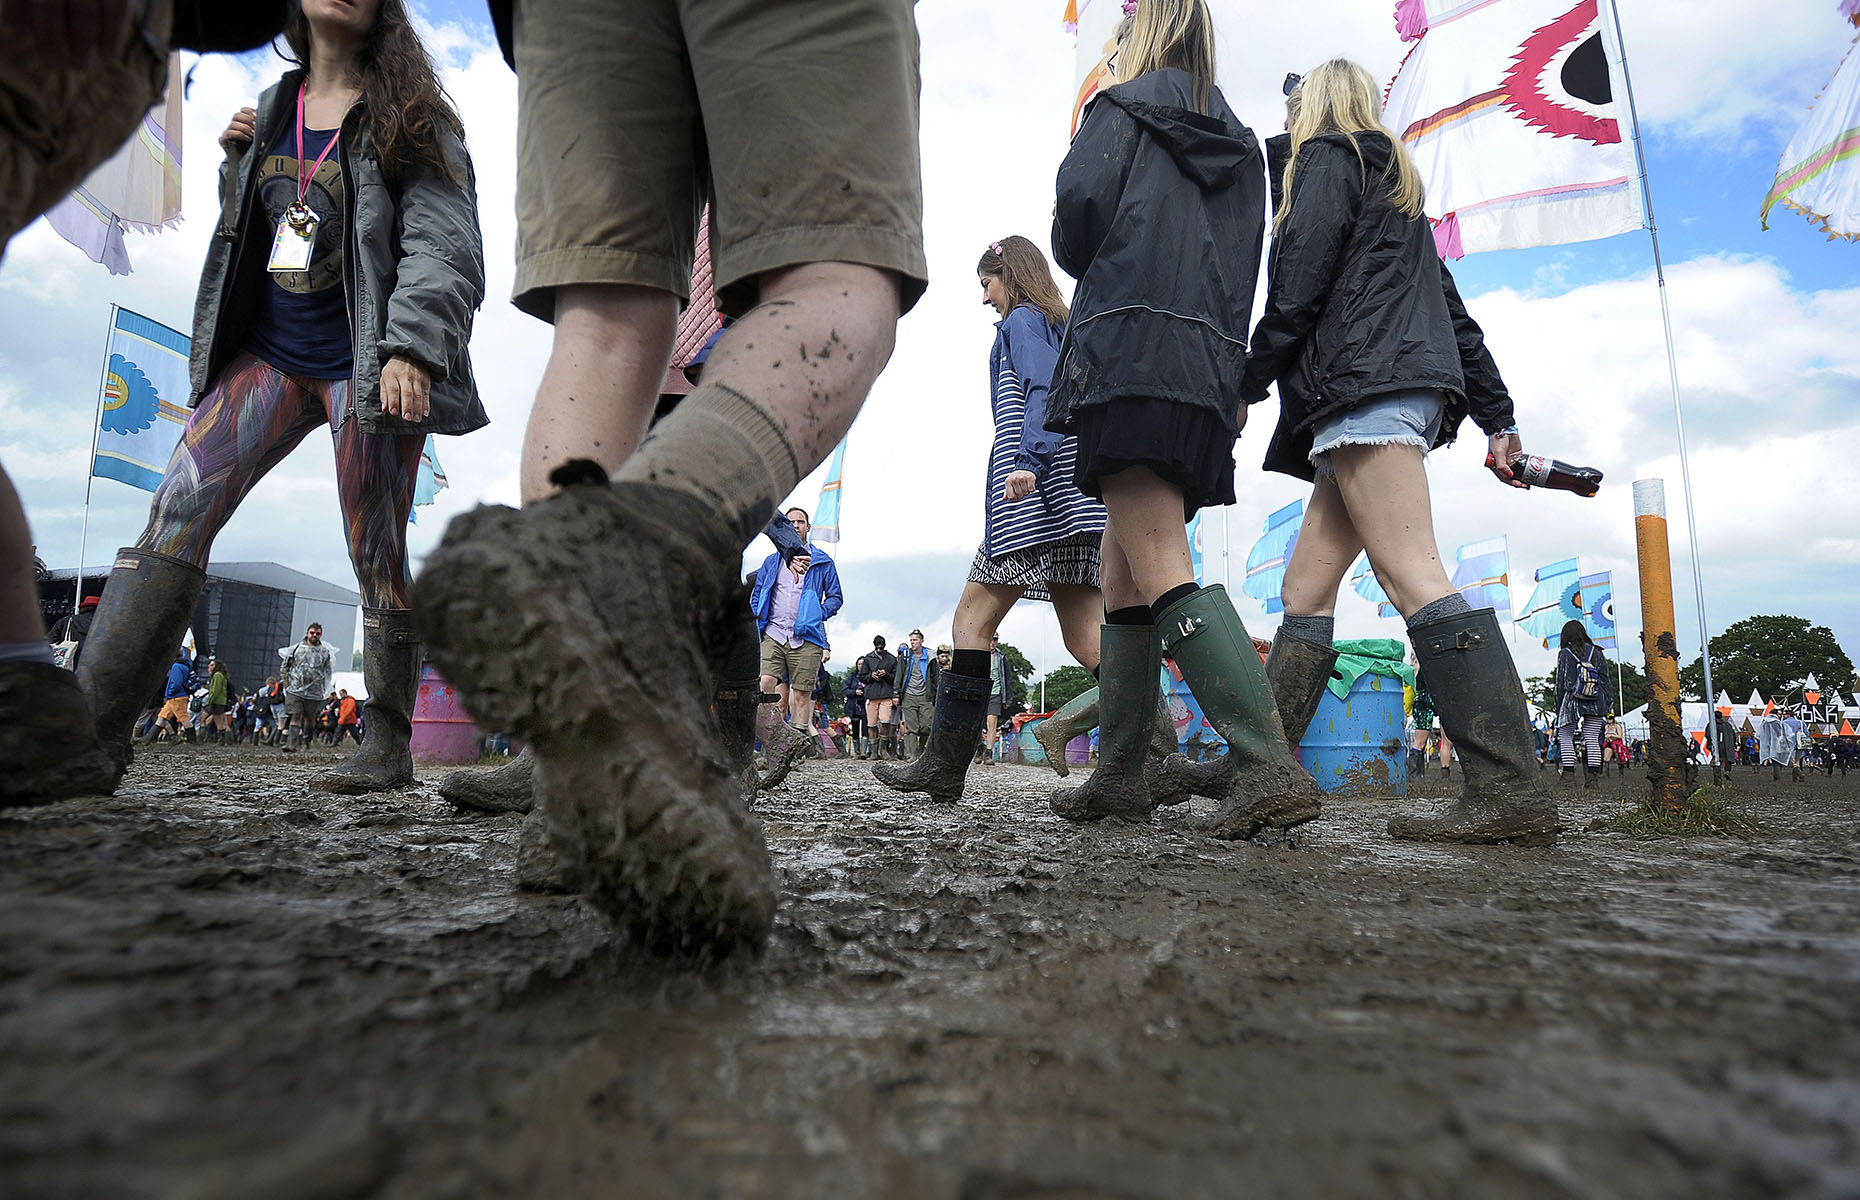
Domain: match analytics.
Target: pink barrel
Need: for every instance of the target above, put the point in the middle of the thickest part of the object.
(443, 731)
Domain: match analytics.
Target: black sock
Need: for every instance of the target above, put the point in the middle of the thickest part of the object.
(1174, 595)
(973, 663)
(1136, 614)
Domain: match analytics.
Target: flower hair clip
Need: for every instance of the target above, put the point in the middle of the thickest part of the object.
(996, 248)
(1130, 8)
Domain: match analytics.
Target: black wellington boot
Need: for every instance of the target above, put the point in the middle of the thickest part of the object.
(145, 610)
(391, 672)
(1298, 671)
(1481, 706)
(48, 739)
(938, 771)
(735, 707)
(1129, 683)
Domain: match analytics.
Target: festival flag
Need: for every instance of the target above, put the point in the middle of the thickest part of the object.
(143, 409)
(1509, 108)
(1194, 545)
(138, 187)
(1819, 175)
(1553, 603)
(1265, 563)
(431, 480)
(827, 511)
(1482, 576)
(1092, 22)
(1596, 598)
(1363, 579)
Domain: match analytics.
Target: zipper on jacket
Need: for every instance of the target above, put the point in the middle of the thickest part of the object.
(351, 201)
(251, 165)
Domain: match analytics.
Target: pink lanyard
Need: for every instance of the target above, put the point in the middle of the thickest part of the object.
(304, 177)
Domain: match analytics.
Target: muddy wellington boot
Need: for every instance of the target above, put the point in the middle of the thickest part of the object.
(1129, 684)
(1299, 671)
(735, 706)
(146, 607)
(938, 772)
(391, 673)
(1481, 706)
(48, 738)
(1266, 785)
(782, 744)
(509, 788)
(561, 622)
(1173, 778)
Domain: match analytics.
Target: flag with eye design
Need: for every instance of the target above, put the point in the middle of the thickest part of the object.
(1515, 113)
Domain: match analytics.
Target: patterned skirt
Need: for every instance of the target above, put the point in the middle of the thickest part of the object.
(1070, 560)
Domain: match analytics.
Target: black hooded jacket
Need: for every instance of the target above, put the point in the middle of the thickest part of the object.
(1161, 219)
(1359, 305)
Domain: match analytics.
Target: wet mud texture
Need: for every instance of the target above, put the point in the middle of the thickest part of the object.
(220, 984)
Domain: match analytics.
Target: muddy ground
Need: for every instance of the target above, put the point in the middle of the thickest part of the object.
(219, 984)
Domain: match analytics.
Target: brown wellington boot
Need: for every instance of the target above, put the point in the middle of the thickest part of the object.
(146, 607)
(391, 671)
(1299, 671)
(1481, 706)
(561, 623)
(48, 739)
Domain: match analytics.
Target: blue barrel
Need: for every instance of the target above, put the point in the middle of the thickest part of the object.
(1358, 745)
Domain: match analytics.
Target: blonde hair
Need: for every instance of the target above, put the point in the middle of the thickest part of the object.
(1172, 33)
(1341, 97)
(1026, 278)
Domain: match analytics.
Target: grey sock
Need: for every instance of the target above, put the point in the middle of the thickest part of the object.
(723, 448)
(1319, 630)
(1450, 605)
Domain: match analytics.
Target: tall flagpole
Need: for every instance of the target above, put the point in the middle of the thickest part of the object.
(90, 467)
(1672, 369)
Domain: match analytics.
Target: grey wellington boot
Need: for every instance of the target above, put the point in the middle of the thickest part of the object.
(1298, 670)
(1267, 786)
(509, 788)
(48, 738)
(1481, 706)
(391, 672)
(146, 608)
(1129, 681)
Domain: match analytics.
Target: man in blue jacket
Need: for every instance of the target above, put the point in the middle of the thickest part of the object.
(793, 601)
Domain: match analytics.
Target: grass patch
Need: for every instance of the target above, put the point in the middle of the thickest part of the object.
(493, 760)
(1705, 813)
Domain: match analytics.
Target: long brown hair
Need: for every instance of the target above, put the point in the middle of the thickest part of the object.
(407, 108)
(1026, 278)
(1172, 33)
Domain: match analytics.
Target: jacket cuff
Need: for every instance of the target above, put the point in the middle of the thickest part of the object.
(387, 350)
(1027, 462)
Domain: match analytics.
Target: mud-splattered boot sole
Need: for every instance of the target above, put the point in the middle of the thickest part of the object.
(559, 623)
(1265, 796)
(1478, 825)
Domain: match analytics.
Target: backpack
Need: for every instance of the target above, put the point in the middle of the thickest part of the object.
(1588, 681)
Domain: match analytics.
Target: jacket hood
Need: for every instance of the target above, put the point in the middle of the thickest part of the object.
(1213, 150)
(1377, 150)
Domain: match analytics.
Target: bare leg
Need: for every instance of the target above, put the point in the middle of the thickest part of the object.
(612, 346)
(1385, 491)
(979, 613)
(1327, 542)
(1146, 522)
(19, 593)
(1081, 613)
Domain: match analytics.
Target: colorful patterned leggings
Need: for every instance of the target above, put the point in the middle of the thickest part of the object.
(252, 417)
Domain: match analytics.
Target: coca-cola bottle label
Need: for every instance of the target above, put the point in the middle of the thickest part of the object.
(1536, 470)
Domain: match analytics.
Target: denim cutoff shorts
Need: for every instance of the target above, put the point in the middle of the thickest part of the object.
(1393, 419)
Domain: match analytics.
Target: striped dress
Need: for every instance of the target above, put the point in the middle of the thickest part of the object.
(1052, 535)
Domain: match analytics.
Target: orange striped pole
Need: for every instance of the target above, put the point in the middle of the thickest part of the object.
(1666, 738)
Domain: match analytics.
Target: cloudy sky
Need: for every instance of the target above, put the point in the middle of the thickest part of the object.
(1768, 329)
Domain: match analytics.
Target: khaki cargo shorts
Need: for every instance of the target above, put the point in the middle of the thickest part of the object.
(798, 118)
(799, 665)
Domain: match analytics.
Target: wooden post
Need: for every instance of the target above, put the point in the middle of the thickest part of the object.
(1666, 736)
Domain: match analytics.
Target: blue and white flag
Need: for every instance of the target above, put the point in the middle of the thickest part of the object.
(432, 478)
(144, 403)
(1265, 563)
(827, 511)
(1194, 546)
(1596, 598)
(1554, 602)
(1482, 576)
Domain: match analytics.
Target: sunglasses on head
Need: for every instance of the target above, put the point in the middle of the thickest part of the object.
(1293, 81)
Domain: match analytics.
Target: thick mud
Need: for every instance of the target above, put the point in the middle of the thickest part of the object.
(219, 984)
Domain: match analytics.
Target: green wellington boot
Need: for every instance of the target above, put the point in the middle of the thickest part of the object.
(1129, 683)
(1266, 784)
(1298, 670)
(1481, 706)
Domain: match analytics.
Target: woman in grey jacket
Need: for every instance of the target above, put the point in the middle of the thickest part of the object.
(339, 293)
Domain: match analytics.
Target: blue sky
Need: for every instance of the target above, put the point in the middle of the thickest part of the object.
(1768, 324)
